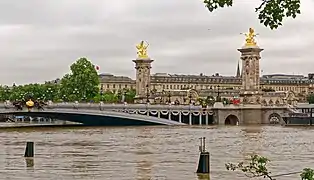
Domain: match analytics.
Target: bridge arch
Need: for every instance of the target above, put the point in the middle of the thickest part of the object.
(231, 120)
(96, 118)
(275, 118)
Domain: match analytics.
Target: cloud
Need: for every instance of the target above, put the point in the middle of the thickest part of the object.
(39, 40)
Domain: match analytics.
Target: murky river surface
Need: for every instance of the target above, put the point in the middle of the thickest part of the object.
(143, 153)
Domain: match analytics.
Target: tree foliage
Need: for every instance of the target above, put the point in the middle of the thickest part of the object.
(310, 98)
(82, 84)
(257, 167)
(271, 13)
(61, 93)
(83, 80)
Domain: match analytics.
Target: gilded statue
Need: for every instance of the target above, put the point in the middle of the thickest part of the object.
(250, 37)
(142, 50)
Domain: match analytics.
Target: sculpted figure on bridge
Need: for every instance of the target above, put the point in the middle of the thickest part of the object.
(250, 37)
(19, 105)
(142, 50)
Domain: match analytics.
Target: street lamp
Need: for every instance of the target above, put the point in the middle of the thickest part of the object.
(21, 97)
(147, 94)
(49, 92)
(101, 93)
(64, 97)
(76, 92)
(218, 97)
(162, 96)
(43, 97)
(124, 96)
(7, 92)
(84, 98)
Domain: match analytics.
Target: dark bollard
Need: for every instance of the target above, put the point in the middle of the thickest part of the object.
(29, 150)
(203, 163)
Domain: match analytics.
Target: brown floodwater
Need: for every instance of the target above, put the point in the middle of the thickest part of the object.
(150, 153)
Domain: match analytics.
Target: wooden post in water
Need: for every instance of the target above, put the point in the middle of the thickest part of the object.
(204, 159)
(311, 116)
(29, 154)
(29, 149)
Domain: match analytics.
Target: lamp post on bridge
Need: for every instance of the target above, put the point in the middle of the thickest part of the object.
(218, 99)
(124, 96)
(147, 94)
(84, 98)
(7, 93)
(169, 97)
(49, 93)
(64, 98)
(162, 96)
(101, 93)
(75, 93)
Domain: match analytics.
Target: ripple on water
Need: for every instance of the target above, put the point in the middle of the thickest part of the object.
(149, 152)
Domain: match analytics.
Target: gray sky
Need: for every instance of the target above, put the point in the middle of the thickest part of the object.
(40, 39)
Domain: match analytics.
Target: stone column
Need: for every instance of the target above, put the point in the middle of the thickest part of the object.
(143, 85)
(250, 56)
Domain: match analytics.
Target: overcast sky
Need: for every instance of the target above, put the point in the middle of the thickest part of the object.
(39, 39)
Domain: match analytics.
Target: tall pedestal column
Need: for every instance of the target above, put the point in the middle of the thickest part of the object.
(143, 86)
(251, 92)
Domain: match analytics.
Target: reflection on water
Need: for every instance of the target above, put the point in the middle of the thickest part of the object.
(203, 176)
(29, 163)
(145, 153)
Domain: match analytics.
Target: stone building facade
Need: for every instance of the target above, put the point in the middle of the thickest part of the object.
(164, 87)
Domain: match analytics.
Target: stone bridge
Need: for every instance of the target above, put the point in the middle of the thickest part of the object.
(89, 114)
(251, 114)
(136, 114)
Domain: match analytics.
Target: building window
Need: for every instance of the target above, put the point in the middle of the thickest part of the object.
(108, 86)
(113, 86)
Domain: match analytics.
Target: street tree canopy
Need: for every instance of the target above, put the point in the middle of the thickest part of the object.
(270, 12)
(83, 80)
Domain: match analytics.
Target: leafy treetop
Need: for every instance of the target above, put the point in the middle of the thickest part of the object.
(257, 167)
(270, 12)
(310, 98)
(83, 80)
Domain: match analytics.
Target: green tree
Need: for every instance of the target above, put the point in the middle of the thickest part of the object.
(310, 98)
(270, 12)
(130, 95)
(257, 167)
(5, 93)
(210, 100)
(110, 97)
(83, 81)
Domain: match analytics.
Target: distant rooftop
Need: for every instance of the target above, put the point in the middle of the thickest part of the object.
(105, 74)
(190, 75)
(283, 76)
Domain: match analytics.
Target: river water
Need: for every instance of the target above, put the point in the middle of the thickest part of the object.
(150, 153)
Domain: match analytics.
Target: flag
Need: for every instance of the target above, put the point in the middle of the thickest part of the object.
(96, 67)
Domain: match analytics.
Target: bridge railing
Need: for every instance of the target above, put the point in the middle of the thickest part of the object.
(103, 106)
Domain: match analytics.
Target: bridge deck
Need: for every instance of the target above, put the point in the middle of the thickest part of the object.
(95, 117)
